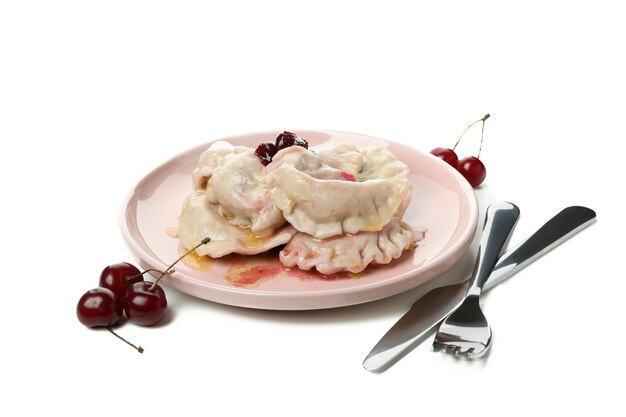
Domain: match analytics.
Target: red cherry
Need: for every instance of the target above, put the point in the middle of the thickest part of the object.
(99, 307)
(118, 277)
(266, 152)
(145, 303)
(287, 139)
(473, 170)
(448, 155)
(470, 167)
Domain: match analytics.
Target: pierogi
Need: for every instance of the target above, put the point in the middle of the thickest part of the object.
(336, 207)
(234, 182)
(352, 253)
(324, 201)
(199, 220)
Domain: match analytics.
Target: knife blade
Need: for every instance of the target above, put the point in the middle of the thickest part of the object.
(429, 310)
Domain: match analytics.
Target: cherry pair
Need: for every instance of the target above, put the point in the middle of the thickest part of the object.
(123, 290)
(266, 150)
(470, 167)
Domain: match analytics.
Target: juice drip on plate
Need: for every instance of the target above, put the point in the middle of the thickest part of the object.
(197, 262)
(251, 271)
(193, 260)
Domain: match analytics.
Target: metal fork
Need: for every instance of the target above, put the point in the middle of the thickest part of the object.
(466, 331)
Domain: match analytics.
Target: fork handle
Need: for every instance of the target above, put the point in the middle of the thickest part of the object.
(500, 220)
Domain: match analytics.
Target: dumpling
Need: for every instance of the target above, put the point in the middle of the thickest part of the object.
(199, 220)
(352, 253)
(361, 192)
(234, 180)
(343, 156)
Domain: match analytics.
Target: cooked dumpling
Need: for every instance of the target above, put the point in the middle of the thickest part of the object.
(199, 220)
(346, 195)
(352, 253)
(234, 180)
(343, 156)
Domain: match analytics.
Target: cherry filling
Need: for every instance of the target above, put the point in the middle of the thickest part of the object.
(287, 139)
(347, 176)
(266, 150)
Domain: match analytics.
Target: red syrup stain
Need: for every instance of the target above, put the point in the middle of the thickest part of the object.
(249, 271)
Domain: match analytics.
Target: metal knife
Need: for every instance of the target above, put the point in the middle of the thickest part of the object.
(429, 310)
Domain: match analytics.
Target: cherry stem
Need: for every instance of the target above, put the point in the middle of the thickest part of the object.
(202, 242)
(127, 278)
(138, 348)
(482, 119)
(482, 133)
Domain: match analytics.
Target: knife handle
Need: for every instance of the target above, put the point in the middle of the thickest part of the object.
(554, 232)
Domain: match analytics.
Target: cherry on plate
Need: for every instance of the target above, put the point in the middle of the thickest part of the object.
(266, 151)
(287, 139)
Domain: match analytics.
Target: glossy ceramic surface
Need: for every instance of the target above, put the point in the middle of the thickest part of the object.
(443, 202)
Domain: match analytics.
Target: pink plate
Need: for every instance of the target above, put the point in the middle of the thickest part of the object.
(443, 202)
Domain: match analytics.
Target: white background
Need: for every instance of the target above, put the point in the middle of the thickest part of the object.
(93, 95)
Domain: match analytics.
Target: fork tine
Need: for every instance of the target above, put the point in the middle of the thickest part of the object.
(446, 347)
(452, 348)
(437, 346)
(465, 350)
(477, 353)
(457, 350)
